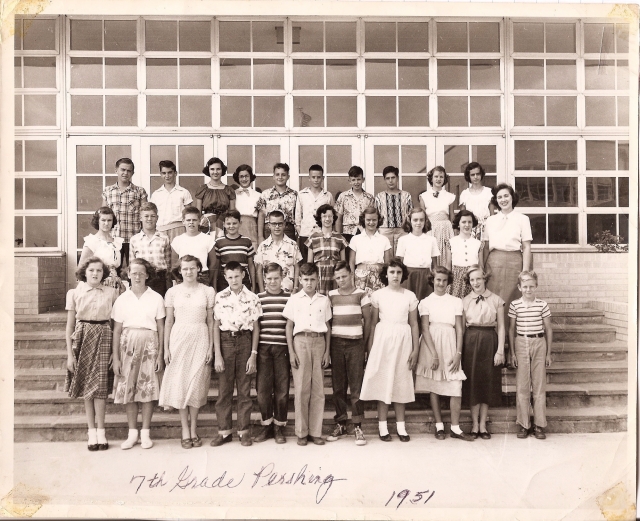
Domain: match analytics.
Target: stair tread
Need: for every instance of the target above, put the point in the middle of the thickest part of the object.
(582, 312)
(582, 328)
(39, 335)
(54, 316)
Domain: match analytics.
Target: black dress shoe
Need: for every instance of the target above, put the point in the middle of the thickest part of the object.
(103, 446)
(386, 437)
(474, 435)
(220, 440)
(440, 435)
(404, 437)
(485, 435)
(93, 448)
(463, 436)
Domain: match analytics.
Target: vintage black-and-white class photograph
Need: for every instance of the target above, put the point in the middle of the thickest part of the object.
(257, 245)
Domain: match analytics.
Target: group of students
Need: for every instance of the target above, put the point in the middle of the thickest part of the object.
(243, 307)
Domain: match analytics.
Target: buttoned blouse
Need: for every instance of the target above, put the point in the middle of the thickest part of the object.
(308, 313)
(91, 303)
(142, 312)
(507, 232)
(482, 312)
(477, 203)
(107, 251)
(442, 309)
(246, 201)
(441, 203)
(464, 252)
(305, 213)
(170, 203)
(237, 312)
(417, 250)
(369, 248)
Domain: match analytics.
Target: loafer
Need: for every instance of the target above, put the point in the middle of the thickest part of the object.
(245, 440)
(92, 448)
(522, 432)
(538, 432)
(103, 446)
(277, 434)
(317, 440)
(485, 435)
(266, 433)
(386, 437)
(440, 435)
(302, 441)
(197, 441)
(404, 437)
(220, 440)
(187, 443)
(463, 436)
(474, 435)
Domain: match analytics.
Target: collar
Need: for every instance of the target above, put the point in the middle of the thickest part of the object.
(227, 292)
(269, 240)
(84, 287)
(307, 190)
(302, 294)
(130, 187)
(164, 189)
(288, 190)
(241, 190)
(371, 237)
(351, 193)
(143, 235)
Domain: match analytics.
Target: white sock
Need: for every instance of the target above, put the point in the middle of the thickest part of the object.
(93, 437)
(382, 427)
(102, 436)
(131, 440)
(439, 427)
(145, 439)
(456, 429)
(400, 428)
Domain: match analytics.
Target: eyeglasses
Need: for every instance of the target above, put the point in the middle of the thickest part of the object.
(276, 225)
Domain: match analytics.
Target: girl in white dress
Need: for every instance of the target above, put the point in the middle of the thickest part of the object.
(465, 252)
(392, 348)
(438, 204)
(439, 371)
(476, 198)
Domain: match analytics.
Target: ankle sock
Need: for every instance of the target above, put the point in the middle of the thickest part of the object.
(145, 439)
(382, 427)
(456, 429)
(102, 436)
(93, 437)
(131, 440)
(439, 427)
(400, 428)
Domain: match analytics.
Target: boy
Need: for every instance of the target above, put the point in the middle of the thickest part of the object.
(308, 339)
(233, 247)
(153, 246)
(350, 204)
(235, 341)
(272, 382)
(194, 242)
(350, 307)
(530, 353)
(309, 200)
(394, 206)
(281, 198)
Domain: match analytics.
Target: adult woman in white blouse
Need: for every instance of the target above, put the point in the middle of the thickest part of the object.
(246, 200)
(477, 197)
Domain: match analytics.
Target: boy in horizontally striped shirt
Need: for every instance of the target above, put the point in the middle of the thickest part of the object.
(234, 247)
(349, 333)
(272, 381)
(529, 321)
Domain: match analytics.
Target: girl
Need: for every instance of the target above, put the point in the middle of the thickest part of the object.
(439, 371)
(88, 338)
(418, 252)
(326, 247)
(392, 349)
(465, 252)
(246, 200)
(437, 202)
(188, 337)
(369, 251)
(483, 350)
(476, 198)
(138, 341)
(394, 205)
(214, 198)
(104, 246)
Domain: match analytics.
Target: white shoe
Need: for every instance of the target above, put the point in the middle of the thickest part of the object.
(146, 444)
(359, 436)
(130, 441)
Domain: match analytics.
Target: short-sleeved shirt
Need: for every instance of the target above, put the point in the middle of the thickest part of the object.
(239, 249)
(442, 309)
(417, 250)
(347, 313)
(482, 311)
(439, 204)
(215, 200)
(326, 250)
(170, 203)
(126, 205)
(285, 202)
(369, 248)
(464, 252)
(477, 203)
(108, 252)
(198, 245)
(507, 232)
(394, 208)
(246, 201)
(351, 207)
(91, 303)
(286, 254)
(272, 324)
(156, 249)
(305, 212)
(237, 312)
(142, 312)
(309, 314)
(529, 317)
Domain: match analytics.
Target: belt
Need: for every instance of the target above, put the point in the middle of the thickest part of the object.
(537, 335)
(310, 333)
(481, 327)
(94, 321)
(235, 334)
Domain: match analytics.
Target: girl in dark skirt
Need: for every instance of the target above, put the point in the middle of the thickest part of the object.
(483, 350)
(88, 337)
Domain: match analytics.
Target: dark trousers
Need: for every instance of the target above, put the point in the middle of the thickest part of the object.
(272, 383)
(235, 353)
(347, 251)
(347, 369)
(303, 247)
(159, 283)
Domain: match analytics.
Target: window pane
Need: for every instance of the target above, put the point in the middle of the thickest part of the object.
(195, 111)
(563, 229)
(452, 111)
(41, 232)
(162, 111)
(381, 111)
(308, 74)
(380, 36)
(337, 185)
(531, 191)
(235, 111)
(622, 38)
(161, 35)
(560, 37)
(86, 73)
(340, 36)
(486, 156)
(378, 184)
(268, 111)
(195, 36)
(17, 70)
(84, 228)
(40, 111)
(86, 35)
(415, 185)
(601, 155)
(88, 159)
(18, 233)
(309, 155)
(162, 73)
(623, 111)
(623, 75)
(268, 74)
(234, 36)
(528, 111)
(17, 110)
(413, 37)
(266, 157)
(600, 110)
(111, 154)
(18, 156)
(599, 74)
(39, 35)
(561, 111)
(385, 155)
(529, 155)
(485, 111)
(456, 158)
(598, 223)
(41, 194)
(120, 35)
(562, 191)
(341, 74)
(485, 74)
(308, 111)
(160, 153)
(598, 38)
(623, 192)
(528, 37)
(452, 36)
(414, 159)
(452, 74)
(121, 111)
(484, 37)
(266, 36)
(311, 39)
(528, 74)
(623, 230)
(40, 156)
(121, 73)
(238, 155)
(235, 73)
(338, 159)
(413, 74)
(40, 72)
(456, 185)
(19, 202)
(623, 155)
(562, 155)
(155, 183)
(263, 182)
(380, 74)
(190, 159)
(538, 228)
(195, 73)
(414, 111)
(342, 111)
(191, 183)
(601, 191)
(86, 111)
(561, 74)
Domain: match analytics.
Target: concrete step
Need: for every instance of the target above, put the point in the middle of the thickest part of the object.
(45, 322)
(53, 339)
(577, 316)
(167, 425)
(580, 372)
(592, 333)
(599, 394)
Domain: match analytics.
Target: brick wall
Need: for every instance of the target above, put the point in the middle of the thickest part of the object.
(615, 314)
(40, 284)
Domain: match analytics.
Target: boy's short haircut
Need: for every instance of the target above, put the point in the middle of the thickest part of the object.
(355, 171)
(284, 166)
(308, 269)
(526, 275)
(342, 265)
(125, 161)
(233, 214)
(390, 170)
(271, 267)
(276, 213)
(233, 266)
(188, 210)
(166, 163)
(149, 207)
(316, 168)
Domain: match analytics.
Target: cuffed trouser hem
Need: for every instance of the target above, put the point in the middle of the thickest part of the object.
(266, 422)
(225, 432)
